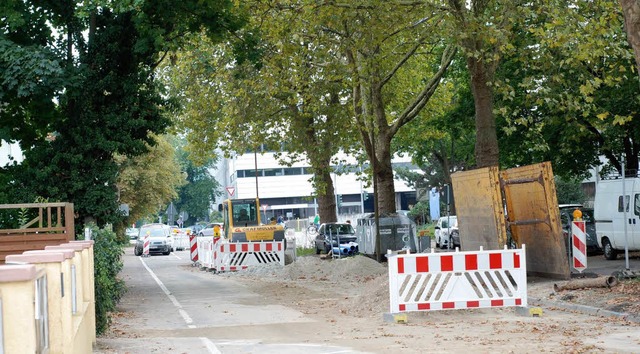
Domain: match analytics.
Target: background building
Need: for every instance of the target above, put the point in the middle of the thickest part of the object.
(287, 190)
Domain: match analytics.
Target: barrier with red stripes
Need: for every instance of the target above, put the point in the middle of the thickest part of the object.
(146, 242)
(457, 280)
(241, 255)
(205, 252)
(579, 245)
(193, 246)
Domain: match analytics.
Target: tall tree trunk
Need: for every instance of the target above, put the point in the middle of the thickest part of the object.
(384, 172)
(631, 12)
(384, 176)
(327, 201)
(486, 148)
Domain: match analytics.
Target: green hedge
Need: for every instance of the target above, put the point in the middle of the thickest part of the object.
(109, 288)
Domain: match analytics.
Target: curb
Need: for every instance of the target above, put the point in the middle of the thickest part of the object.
(588, 310)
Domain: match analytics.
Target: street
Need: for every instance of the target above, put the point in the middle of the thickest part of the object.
(171, 307)
(326, 306)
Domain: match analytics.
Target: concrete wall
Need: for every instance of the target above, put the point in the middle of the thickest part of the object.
(48, 300)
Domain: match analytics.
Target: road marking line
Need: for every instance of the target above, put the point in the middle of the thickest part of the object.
(210, 346)
(173, 299)
(175, 255)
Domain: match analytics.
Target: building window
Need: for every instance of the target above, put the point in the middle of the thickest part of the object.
(292, 171)
(273, 172)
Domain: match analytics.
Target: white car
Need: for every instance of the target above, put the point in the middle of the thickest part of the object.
(446, 232)
(208, 231)
(160, 239)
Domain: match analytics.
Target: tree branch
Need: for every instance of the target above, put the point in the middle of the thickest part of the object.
(423, 97)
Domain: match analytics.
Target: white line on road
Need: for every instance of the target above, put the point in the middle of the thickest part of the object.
(175, 255)
(173, 299)
(210, 346)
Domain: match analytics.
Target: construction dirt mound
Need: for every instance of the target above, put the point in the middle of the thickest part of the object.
(364, 282)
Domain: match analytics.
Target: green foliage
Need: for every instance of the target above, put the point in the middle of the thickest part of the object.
(420, 212)
(304, 252)
(579, 99)
(149, 181)
(201, 188)
(76, 98)
(569, 191)
(215, 216)
(107, 252)
(441, 139)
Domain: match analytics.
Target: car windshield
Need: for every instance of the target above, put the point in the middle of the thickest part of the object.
(341, 229)
(153, 232)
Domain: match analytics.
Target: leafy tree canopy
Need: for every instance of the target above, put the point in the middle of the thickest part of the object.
(80, 87)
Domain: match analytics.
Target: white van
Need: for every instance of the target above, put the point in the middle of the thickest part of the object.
(610, 215)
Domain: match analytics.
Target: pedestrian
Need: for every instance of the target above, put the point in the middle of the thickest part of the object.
(280, 221)
(316, 221)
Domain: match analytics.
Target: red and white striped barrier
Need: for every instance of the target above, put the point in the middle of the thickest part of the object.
(579, 245)
(458, 280)
(193, 246)
(205, 252)
(241, 255)
(146, 242)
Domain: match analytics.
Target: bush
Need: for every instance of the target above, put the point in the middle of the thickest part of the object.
(107, 253)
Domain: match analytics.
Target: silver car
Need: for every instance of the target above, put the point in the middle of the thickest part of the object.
(336, 237)
(160, 239)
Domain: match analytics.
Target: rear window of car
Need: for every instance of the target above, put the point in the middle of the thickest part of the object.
(153, 231)
(339, 229)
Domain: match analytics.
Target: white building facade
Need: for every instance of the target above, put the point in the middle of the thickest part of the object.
(287, 191)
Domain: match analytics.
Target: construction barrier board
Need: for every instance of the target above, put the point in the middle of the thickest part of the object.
(458, 280)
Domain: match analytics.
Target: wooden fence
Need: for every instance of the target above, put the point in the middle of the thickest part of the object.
(53, 224)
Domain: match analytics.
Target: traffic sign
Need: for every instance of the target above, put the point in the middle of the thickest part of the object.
(231, 190)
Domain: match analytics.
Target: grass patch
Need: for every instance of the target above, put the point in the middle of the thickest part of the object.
(300, 251)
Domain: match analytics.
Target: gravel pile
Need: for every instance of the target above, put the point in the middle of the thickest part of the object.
(349, 269)
(363, 281)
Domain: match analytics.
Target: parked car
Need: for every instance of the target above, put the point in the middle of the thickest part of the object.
(160, 239)
(337, 235)
(566, 218)
(208, 230)
(196, 228)
(446, 232)
(132, 233)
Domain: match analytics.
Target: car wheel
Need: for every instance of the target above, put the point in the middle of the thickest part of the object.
(136, 252)
(609, 252)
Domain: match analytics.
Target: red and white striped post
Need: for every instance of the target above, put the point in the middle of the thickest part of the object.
(193, 242)
(145, 245)
(578, 242)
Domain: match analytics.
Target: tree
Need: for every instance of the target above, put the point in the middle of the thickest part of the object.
(483, 29)
(576, 101)
(291, 98)
(441, 140)
(201, 188)
(569, 191)
(150, 181)
(75, 97)
(382, 43)
(631, 12)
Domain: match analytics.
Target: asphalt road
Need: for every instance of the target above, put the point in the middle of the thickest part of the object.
(172, 307)
(599, 265)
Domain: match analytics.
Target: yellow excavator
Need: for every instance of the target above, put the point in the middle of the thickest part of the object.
(242, 222)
